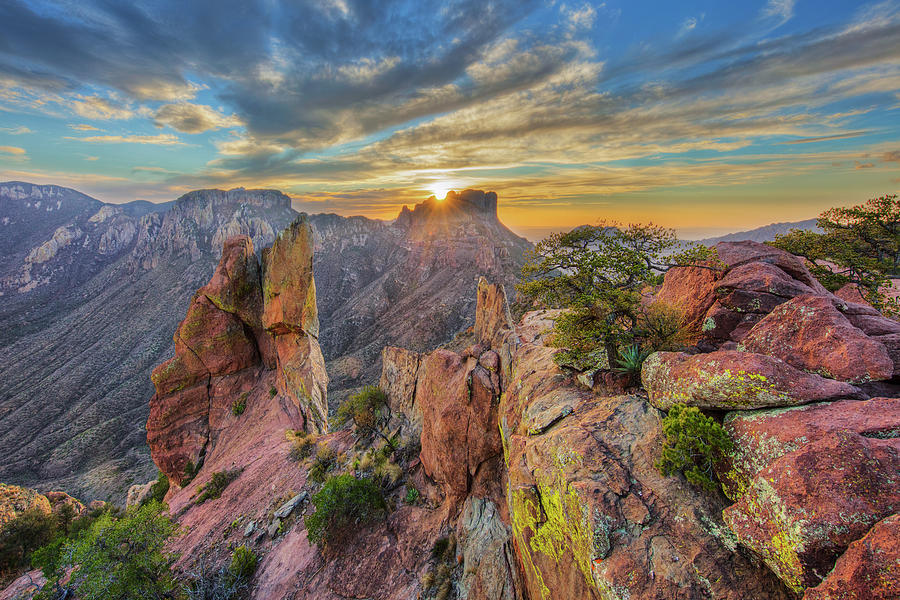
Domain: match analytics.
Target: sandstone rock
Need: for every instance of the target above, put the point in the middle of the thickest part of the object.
(689, 289)
(138, 493)
(216, 338)
(492, 317)
(809, 333)
(398, 380)
(757, 287)
(24, 587)
(288, 507)
(851, 293)
(868, 570)
(804, 509)
(15, 500)
(729, 379)
(459, 415)
(761, 437)
(486, 546)
(892, 344)
(736, 254)
(591, 516)
(59, 499)
(289, 292)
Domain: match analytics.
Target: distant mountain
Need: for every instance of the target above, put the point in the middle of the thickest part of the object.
(92, 294)
(766, 233)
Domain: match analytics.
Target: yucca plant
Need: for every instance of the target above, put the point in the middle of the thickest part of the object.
(630, 361)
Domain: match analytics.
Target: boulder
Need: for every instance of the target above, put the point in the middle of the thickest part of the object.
(730, 379)
(736, 254)
(892, 345)
(851, 292)
(757, 287)
(811, 334)
(803, 510)
(60, 499)
(492, 316)
(761, 437)
(690, 290)
(138, 493)
(868, 570)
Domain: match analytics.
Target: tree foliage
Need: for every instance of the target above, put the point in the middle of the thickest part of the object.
(344, 504)
(599, 273)
(117, 558)
(858, 244)
(692, 440)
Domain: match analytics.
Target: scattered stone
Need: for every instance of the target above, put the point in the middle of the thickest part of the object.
(288, 507)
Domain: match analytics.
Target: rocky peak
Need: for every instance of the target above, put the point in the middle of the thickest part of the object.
(468, 205)
(214, 198)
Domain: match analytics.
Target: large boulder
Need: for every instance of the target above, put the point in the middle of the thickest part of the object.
(761, 437)
(736, 254)
(730, 379)
(289, 292)
(868, 570)
(803, 510)
(591, 516)
(811, 334)
(690, 290)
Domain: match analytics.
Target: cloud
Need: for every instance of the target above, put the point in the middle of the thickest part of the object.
(193, 118)
(99, 109)
(825, 138)
(780, 9)
(163, 139)
(83, 127)
(892, 156)
(861, 165)
(14, 150)
(21, 130)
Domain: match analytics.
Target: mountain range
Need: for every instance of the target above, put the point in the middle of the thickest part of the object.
(93, 292)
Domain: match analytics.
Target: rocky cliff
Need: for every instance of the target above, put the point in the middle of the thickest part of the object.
(93, 292)
(544, 488)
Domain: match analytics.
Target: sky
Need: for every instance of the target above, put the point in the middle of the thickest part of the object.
(704, 116)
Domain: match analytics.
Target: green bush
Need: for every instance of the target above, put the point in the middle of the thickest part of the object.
(217, 484)
(412, 495)
(243, 564)
(630, 361)
(325, 461)
(23, 535)
(692, 440)
(116, 557)
(302, 444)
(368, 410)
(239, 405)
(158, 490)
(273, 392)
(343, 505)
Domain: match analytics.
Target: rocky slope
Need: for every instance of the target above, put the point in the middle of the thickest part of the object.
(549, 487)
(92, 294)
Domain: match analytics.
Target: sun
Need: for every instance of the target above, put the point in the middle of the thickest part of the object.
(440, 189)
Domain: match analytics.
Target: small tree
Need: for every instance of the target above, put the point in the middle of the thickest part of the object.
(692, 440)
(118, 558)
(858, 244)
(368, 410)
(598, 273)
(344, 504)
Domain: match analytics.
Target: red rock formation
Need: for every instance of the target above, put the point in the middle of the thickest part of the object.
(868, 570)
(811, 334)
(761, 437)
(803, 510)
(729, 379)
(232, 334)
(15, 500)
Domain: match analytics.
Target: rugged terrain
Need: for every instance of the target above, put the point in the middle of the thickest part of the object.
(92, 294)
(543, 477)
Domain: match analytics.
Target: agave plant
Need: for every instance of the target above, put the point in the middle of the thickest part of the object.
(630, 361)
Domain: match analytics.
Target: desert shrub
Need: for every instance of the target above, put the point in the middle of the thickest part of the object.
(412, 495)
(217, 484)
(204, 582)
(344, 504)
(389, 474)
(661, 327)
(368, 410)
(302, 444)
(243, 563)
(438, 581)
(630, 361)
(692, 441)
(190, 471)
(273, 392)
(24, 534)
(158, 490)
(239, 405)
(117, 557)
(325, 461)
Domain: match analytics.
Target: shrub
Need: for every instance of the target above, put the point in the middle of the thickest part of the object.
(368, 410)
(190, 471)
(692, 440)
(239, 405)
(23, 535)
(661, 327)
(117, 557)
(159, 489)
(243, 563)
(302, 444)
(273, 392)
(412, 495)
(344, 504)
(207, 583)
(438, 582)
(217, 484)
(325, 461)
(630, 361)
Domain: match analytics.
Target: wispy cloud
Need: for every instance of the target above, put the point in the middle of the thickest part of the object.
(193, 118)
(13, 150)
(20, 130)
(780, 9)
(163, 139)
(83, 127)
(825, 138)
